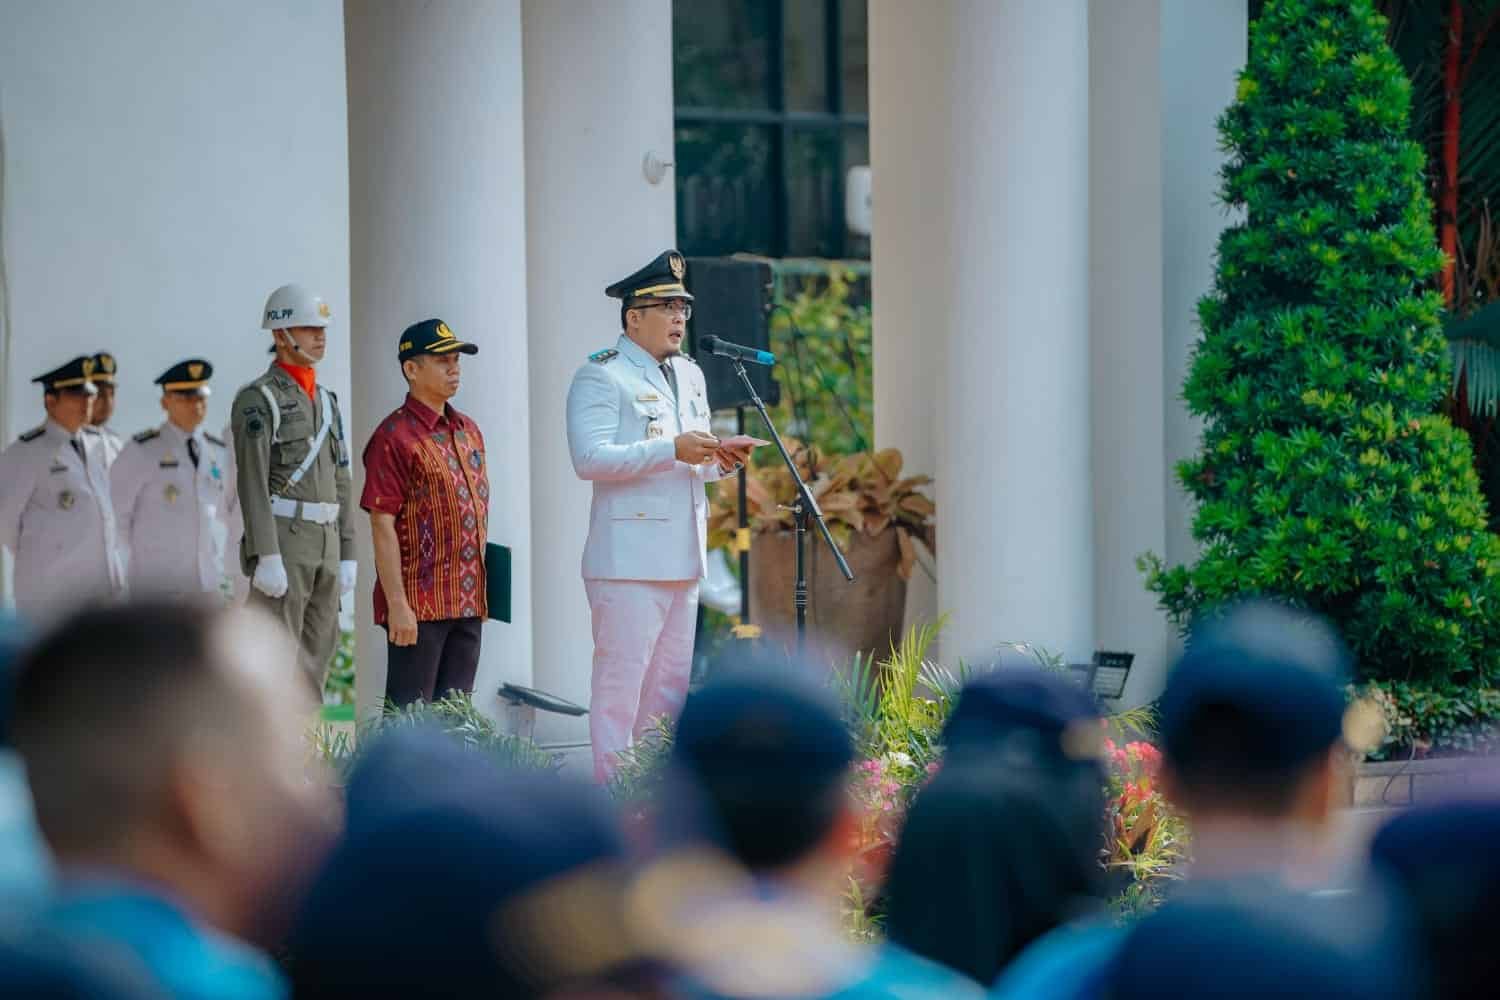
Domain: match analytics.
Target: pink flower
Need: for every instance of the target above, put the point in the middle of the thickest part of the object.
(933, 768)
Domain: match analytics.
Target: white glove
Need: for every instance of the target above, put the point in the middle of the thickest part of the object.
(348, 573)
(270, 576)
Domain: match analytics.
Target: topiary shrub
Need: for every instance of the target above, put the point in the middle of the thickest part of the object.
(1325, 476)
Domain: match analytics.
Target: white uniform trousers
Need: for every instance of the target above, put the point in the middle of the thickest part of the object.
(643, 659)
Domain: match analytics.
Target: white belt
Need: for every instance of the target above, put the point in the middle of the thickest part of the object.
(318, 513)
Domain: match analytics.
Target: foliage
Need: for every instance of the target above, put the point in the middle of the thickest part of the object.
(338, 689)
(895, 708)
(1146, 838)
(455, 715)
(1435, 720)
(1324, 477)
(822, 341)
(862, 493)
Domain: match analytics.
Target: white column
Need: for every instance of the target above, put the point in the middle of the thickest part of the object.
(1128, 378)
(437, 191)
(910, 85)
(1015, 520)
(1203, 48)
(598, 98)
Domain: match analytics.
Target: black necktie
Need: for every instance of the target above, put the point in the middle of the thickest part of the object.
(78, 447)
(667, 373)
(193, 451)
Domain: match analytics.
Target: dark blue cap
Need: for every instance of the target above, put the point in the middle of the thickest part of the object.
(457, 874)
(1059, 719)
(1237, 943)
(1282, 669)
(660, 279)
(762, 725)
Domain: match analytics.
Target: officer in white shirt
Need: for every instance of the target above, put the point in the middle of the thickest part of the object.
(638, 429)
(55, 511)
(172, 495)
(102, 378)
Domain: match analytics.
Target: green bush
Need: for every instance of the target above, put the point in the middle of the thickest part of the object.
(1324, 475)
(1425, 720)
(822, 340)
(455, 715)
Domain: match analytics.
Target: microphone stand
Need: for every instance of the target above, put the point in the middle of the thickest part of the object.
(804, 505)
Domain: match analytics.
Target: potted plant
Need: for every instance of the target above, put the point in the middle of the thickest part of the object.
(875, 514)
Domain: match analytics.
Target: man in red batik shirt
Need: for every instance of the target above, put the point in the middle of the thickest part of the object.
(428, 498)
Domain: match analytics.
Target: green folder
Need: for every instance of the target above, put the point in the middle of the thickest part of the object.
(497, 581)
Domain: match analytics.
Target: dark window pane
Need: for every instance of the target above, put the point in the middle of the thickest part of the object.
(721, 53)
(814, 189)
(725, 192)
(856, 154)
(805, 50)
(854, 32)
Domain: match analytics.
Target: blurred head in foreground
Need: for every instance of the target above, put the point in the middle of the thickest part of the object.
(165, 745)
(988, 862)
(1252, 723)
(1442, 861)
(456, 876)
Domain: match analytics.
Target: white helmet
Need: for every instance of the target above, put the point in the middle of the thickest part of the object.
(293, 305)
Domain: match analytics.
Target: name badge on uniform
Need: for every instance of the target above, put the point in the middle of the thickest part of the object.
(58, 467)
(171, 493)
(170, 462)
(65, 499)
(648, 397)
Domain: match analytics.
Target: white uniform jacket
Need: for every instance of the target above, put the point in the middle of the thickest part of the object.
(173, 518)
(56, 517)
(649, 518)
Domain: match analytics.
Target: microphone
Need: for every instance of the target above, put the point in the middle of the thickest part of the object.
(724, 349)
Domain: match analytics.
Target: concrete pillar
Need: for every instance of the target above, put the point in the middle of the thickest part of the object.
(598, 98)
(437, 192)
(1015, 525)
(1130, 394)
(1203, 48)
(908, 86)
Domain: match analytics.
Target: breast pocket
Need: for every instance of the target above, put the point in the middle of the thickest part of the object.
(639, 509)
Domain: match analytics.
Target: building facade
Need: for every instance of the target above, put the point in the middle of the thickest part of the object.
(1044, 220)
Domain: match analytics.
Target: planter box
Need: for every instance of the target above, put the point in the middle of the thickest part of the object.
(1403, 783)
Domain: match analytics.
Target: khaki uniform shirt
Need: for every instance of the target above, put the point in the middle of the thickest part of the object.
(268, 450)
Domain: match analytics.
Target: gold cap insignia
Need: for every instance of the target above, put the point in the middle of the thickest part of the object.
(88, 367)
(443, 332)
(678, 266)
(195, 370)
(323, 310)
(107, 363)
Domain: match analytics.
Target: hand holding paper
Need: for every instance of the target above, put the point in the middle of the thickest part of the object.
(735, 451)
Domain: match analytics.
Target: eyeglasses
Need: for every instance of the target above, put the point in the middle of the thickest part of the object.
(672, 306)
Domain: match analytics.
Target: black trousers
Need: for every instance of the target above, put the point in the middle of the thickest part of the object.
(444, 658)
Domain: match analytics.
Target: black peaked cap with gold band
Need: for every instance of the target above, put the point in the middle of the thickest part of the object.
(104, 369)
(431, 336)
(190, 376)
(75, 375)
(660, 279)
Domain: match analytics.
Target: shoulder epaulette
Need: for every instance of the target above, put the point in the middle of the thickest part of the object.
(147, 435)
(599, 357)
(33, 434)
(214, 439)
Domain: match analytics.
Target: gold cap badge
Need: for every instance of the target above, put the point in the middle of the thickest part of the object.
(323, 310)
(195, 370)
(678, 266)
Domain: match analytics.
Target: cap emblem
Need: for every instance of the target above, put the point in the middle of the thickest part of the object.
(675, 262)
(195, 370)
(323, 310)
(443, 332)
(88, 367)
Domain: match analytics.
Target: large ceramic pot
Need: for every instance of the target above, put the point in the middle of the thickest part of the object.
(842, 617)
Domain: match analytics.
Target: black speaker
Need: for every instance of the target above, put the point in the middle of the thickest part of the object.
(731, 301)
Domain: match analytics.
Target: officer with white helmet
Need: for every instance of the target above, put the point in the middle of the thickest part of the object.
(172, 499)
(292, 472)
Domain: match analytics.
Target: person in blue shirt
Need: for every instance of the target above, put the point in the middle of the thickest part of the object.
(164, 743)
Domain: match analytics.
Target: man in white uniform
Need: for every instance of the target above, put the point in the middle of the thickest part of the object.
(638, 429)
(170, 487)
(55, 512)
(102, 378)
